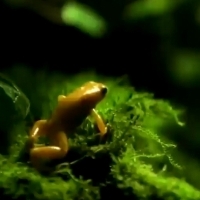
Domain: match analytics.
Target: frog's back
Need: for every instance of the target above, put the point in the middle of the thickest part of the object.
(76, 106)
(69, 114)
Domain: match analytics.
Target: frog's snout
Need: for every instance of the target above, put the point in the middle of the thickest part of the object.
(104, 90)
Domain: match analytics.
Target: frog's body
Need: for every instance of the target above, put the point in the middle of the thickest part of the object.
(70, 112)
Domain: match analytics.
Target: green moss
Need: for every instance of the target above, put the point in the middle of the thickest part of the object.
(133, 161)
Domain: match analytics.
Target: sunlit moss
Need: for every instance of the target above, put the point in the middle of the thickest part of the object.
(131, 173)
(134, 159)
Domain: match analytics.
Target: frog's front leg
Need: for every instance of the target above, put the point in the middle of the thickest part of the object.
(101, 125)
(61, 97)
(58, 149)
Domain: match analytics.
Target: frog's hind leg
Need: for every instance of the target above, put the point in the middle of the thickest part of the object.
(37, 131)
(58, 150)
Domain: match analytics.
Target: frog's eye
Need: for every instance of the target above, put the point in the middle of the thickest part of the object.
(104, 90)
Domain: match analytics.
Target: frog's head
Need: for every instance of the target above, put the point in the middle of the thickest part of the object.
(93, 93)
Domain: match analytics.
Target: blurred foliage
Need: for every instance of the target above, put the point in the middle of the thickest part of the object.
(186, 68)
(83, 18)
(145, 8)
(175, 24)
(83, 14)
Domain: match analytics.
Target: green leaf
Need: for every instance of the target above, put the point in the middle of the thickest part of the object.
(13, 103)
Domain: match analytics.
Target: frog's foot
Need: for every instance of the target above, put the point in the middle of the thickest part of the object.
(104, 134)
(99, 121)
(39, 155)
(108, 135)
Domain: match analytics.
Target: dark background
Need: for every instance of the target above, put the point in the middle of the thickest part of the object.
(158, 48)
(143, 47)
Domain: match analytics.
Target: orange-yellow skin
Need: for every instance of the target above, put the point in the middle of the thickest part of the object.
(70, 112)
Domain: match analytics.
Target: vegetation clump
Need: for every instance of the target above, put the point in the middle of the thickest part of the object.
(134, 161)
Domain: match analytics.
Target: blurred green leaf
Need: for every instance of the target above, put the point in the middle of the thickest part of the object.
(84, 18)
